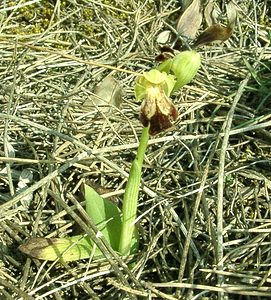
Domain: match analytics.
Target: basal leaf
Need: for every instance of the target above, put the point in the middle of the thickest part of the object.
(64, 249)
(105, 214)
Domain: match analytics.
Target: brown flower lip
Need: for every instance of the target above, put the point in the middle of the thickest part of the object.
(158, 110)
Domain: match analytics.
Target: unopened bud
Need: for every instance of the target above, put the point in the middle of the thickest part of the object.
(185, 66)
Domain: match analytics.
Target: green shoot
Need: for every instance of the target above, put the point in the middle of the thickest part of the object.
(130, 198)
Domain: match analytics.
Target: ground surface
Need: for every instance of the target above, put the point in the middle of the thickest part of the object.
(204, 205)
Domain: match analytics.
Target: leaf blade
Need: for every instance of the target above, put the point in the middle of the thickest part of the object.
(105, 214)
(64, 249)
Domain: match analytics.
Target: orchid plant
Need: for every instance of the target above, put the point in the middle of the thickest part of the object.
(157, 114)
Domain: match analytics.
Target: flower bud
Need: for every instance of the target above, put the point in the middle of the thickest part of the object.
(185, 66)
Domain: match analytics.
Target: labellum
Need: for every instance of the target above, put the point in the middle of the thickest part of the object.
(157, 110)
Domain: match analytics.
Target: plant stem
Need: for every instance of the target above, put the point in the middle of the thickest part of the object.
(143, 143)
(130, 198)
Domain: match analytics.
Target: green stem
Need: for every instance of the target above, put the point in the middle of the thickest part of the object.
(143, 143)
(130, 198)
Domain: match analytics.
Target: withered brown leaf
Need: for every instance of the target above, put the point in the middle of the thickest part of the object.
(216, 32)
(231, 14)
(34, 246)
(185, 4)
(107, 92)
(209, 15)
(190, 21)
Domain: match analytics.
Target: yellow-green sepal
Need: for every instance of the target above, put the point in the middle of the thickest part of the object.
(154, 78)
(169, 84)
(165, 66)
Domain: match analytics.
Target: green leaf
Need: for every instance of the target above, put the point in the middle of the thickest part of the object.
(105, 214)
(134, 242)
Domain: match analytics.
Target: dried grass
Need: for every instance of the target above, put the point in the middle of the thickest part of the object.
(204, 212)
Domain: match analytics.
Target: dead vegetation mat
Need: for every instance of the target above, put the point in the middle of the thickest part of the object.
(204, 209)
